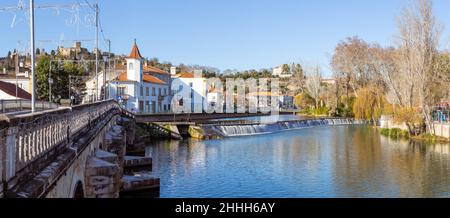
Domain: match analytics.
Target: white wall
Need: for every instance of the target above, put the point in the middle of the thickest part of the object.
(133, 90)
(23, 83)
(198, 91)
(134, 74)
(160, 106)
(387, 122)
(442, 129)
(4, 96)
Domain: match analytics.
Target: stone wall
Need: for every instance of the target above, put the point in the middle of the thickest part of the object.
(387, 122)
(442, 129)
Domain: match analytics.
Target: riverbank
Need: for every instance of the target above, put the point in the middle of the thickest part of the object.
(397, 133)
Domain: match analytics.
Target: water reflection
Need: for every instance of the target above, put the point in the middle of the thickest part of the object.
(346, 161)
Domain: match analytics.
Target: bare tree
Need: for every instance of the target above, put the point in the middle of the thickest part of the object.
(351, 62)
(419, 35)
(313, 84)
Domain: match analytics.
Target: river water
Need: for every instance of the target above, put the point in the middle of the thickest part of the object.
(327, 161)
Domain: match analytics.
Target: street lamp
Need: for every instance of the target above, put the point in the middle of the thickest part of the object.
(50, 82)
(105, 59)
(33, 84)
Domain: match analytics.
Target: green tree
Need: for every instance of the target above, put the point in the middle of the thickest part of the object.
(286, 68)
(303, 100)
(369, 103)
(60, 73)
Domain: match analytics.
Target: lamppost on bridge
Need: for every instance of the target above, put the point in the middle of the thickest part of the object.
(33, 76)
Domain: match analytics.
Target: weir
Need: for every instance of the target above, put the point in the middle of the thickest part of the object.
(234, 130)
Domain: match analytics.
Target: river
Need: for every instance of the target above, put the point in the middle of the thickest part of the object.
(327, 161)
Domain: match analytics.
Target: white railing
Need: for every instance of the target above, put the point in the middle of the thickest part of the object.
(21, 104)
(26, 138)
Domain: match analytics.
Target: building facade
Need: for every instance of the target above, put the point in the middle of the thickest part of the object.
(279, 72)
(190, 91)
(138, 89)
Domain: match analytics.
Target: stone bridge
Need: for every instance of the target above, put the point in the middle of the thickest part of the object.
(69, 153)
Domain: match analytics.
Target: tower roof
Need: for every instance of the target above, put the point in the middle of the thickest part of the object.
(135, 53)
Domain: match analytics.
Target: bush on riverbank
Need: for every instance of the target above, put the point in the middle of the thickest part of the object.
(395, 133)
(320, 111)
(398, 133)
(431, 138)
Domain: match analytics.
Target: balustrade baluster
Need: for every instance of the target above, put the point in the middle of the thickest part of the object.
(41, 139)
(58, 132)
(38, 141)
(46, 135)
(34, 144)
(27, 146)
(20, 146)
(52, 132)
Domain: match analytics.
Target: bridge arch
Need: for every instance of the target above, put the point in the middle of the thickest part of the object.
(78, 192)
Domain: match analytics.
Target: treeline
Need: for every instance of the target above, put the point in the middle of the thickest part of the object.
(404, 80)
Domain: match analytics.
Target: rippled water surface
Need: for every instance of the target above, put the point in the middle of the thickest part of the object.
(342, 161)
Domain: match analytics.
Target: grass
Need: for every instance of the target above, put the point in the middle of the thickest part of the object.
(403, 134)
(395, 133)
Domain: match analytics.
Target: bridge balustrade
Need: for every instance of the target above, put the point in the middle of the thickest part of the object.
(26, 138)
(17, 105)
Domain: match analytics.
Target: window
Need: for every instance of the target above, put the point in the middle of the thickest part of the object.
(165, 92)
(120, 90)
(141, 106)
(130, 66)
(147, 105)
(142, 91)
(153, 91)
(147, 91)
(159, 92)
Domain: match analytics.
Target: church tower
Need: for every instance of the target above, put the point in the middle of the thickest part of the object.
(134, 64)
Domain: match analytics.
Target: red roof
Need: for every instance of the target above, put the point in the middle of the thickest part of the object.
(186, 75)
(150, 69)
(135, 53)
(10, 89)
(152, 79)
(146, 78)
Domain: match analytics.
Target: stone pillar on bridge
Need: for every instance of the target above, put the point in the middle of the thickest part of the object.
(104, 171)
(115, 142)
(129, 128)
(103, 177)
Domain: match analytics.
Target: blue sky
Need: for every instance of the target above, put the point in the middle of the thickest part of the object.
(228, 34)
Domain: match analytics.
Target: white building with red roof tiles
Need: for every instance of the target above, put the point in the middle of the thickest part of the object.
(141, 89)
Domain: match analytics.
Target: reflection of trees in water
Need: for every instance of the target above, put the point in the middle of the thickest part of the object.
(357, 161)
(373, 165)
(434, 173)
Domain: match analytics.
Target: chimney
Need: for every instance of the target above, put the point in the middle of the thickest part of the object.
(173, 71)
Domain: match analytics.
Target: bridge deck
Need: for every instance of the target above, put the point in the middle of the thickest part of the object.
(154, 118)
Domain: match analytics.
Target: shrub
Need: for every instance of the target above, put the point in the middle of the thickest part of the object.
(395, 133)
